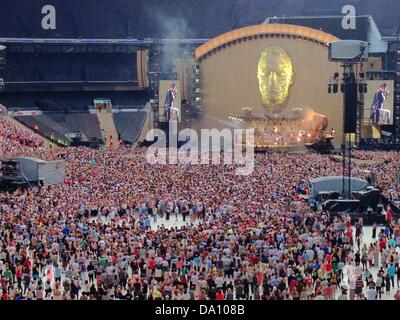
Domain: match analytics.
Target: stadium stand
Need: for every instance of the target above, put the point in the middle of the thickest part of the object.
(129, 124)
(62, 124)
(68, 112)
(47, 126)
(61, 101)
(65, 67)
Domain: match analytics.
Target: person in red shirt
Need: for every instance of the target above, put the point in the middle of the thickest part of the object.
(180, 264)
(152, 264)
(293, 284)
(328, 292)
(389, 215)
(27, 263)
(220, 295)
(349, 235)
(382, 244)
(19, 279)
(328, 267)
(5, 296)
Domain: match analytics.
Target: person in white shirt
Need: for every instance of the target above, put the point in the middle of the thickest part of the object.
(320, 297)
(186, 296)
(343, 294)
(371, 294)
(219, 282)
(2, 268)
(352, 283)
(379, 283)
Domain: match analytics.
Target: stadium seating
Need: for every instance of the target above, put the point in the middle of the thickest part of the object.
(48, 124)
(70, 67)
(62, 101)
(129, 124)
(68, 112)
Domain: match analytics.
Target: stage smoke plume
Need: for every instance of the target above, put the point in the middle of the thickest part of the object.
(172, 28)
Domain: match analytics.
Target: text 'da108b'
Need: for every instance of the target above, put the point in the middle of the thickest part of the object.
(221, 309)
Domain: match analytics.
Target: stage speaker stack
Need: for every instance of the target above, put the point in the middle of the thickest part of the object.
(142, 68)
(350, 106)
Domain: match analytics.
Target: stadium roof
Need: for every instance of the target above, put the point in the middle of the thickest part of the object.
(365, 28)
(329, 24)
(177, 19)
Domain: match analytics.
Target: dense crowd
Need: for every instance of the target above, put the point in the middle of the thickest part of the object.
(119, 228)
(9, 131)
(384, 166)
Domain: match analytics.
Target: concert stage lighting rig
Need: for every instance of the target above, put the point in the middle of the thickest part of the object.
(350, 53)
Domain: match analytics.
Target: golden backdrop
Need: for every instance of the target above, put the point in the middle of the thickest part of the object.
(230, 82)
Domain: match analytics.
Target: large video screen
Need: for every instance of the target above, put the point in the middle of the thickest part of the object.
(378, 102)
(175, 106)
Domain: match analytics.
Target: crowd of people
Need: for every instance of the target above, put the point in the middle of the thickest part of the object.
(10, 131)
(384, 166)
(120, 228)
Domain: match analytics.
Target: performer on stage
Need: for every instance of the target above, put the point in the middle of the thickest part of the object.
(169, 102)
(378, 103)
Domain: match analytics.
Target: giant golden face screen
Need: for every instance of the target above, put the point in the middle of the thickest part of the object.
(275, 77)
